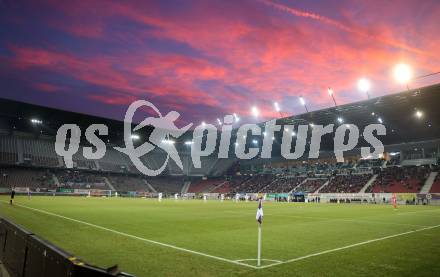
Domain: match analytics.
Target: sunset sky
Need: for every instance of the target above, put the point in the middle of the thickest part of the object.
(205, 58)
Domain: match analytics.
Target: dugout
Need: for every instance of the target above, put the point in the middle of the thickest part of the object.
(298, 197)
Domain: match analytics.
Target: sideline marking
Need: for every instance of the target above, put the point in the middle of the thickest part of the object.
(352, 220)
(350, 246)
(136, 237)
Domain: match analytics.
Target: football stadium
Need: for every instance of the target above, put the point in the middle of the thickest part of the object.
(182, 161)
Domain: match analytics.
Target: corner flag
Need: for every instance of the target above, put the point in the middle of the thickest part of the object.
(259, 216)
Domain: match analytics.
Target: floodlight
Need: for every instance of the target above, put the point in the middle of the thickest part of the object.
(255, 111)
(236, 117)
(36, 121)
(402, 73)
(364, 85)
(276, 106)
(135, 137)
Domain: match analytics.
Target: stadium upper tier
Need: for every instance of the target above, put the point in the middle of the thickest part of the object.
(26, 149)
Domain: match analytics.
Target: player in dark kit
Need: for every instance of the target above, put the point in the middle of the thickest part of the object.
(12, 196)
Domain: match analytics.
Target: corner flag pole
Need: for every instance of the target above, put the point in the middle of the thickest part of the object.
(260, 221)
(259, 245)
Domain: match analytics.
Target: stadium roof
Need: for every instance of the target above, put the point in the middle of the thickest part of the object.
(397, 112)
(17, 116)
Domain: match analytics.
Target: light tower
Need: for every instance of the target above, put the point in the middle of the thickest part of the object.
(331, 93)
(303, 102)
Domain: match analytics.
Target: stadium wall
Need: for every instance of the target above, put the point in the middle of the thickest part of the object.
(377, 198)
(25, 254)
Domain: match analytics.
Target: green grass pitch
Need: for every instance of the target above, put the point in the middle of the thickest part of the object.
(192, 238)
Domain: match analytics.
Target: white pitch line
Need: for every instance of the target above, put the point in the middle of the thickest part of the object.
(275, 261)
(224, 259)
(139, 238)
(327, 219)
(424, 211)
(350, 246)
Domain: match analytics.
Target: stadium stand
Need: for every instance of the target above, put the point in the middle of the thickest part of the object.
(8, 150)
(221, 166)
(201, 185)
(400, 179)
(80, 162)
(39, 152)
(370, 163)
(154, 160)
(235, 181)
(23, 144)
(284, 184)
(113, 161)
(435, 188)
(255, 183)
(224, 187)
(351, 183)
(310, 185)
(26, 177)
(166, 184)
(128, 183)
(80, 180)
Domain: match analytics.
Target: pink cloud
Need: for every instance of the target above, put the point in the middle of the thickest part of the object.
(46, 87)
(242, 53)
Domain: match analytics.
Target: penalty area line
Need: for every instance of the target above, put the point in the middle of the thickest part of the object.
(139, 238)
(349, 246)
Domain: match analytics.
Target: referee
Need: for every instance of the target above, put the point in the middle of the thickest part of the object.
(12, 196)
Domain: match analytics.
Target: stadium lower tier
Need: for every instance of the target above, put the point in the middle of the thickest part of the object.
(400, 179)
(409, 179)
